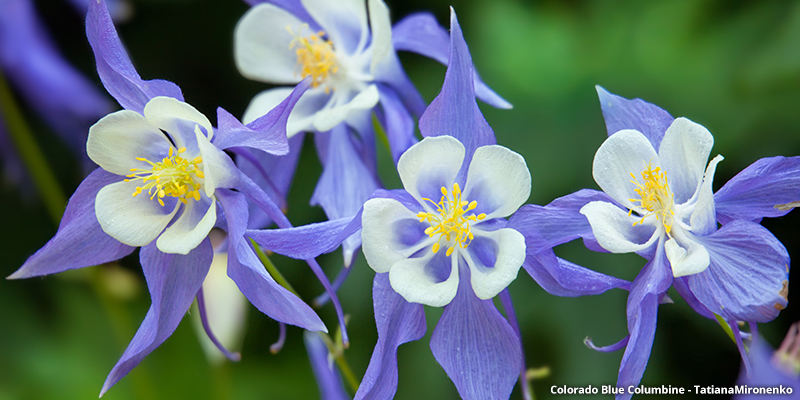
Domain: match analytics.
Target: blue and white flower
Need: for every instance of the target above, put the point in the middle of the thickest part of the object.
(164, 179)
(658, 202)
(441, 241)
(424, 245)
(347, 49)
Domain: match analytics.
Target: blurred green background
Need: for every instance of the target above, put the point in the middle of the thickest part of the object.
(732, 66)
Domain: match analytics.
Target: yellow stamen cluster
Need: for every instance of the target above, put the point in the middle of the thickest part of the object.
(656, 198)
(170, 177)
(451, 221)
(315, 56)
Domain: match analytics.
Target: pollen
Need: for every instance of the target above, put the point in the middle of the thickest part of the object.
(315, 56)
(450, 221)
(173, 176)
(656, 197)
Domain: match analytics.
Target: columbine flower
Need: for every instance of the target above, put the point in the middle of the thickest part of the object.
(659, 203)
(346, 49)
(442, 241)
(163, 171)
(349, 61)
(161, 178)
(426, 243)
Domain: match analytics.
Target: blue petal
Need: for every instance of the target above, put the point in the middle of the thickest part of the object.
(607, 349)
(266, 133)
(80, 241)
(545, 227)
(621, 113)
(309, 241)
(563, 278)
(346, 183)
(114, 66)
(274, 174)
(421, 34)
(256, 284)
(681, 285)
(398, 322)
(328, 380)
(120, 10)
(476, 346)
(406, 93)
(646, 292)
(173, 281)
(747, 279)
(59, 94)
(397, 122)
(759, 190)
(454, 111)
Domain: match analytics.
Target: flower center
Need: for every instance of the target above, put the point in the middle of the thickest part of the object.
(656, 198)
(452, 221)
(170, 177)
(315, 56)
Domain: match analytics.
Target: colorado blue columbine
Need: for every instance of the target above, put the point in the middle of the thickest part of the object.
(438, 244)
(425, 244)
(348, 49)
(163, 171)
(658, 202)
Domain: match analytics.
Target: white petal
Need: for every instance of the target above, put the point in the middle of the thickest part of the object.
(429, 165)
(385, 229)
(118, 138)
(491, 272)
(302, 116)
(218, 168)
(344, 21)
(178, 119)
(191, 227)
(614, 229)
(498, 180)
(134, 221)
(412, 278)
(622, 154)
(262, 44)
(381, 25)
(704, 218)
(226, 310)
(365, 101)
(683, 153)
(685, 255)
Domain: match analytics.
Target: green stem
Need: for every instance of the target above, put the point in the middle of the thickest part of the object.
(380, 132)
(32, 156)
(726, 327)
(338, 355)
(335, 349)
(271, 269)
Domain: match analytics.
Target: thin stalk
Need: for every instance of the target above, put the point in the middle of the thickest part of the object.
(336, 350)
(41, 173)
(338, 355)
(273, 271)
